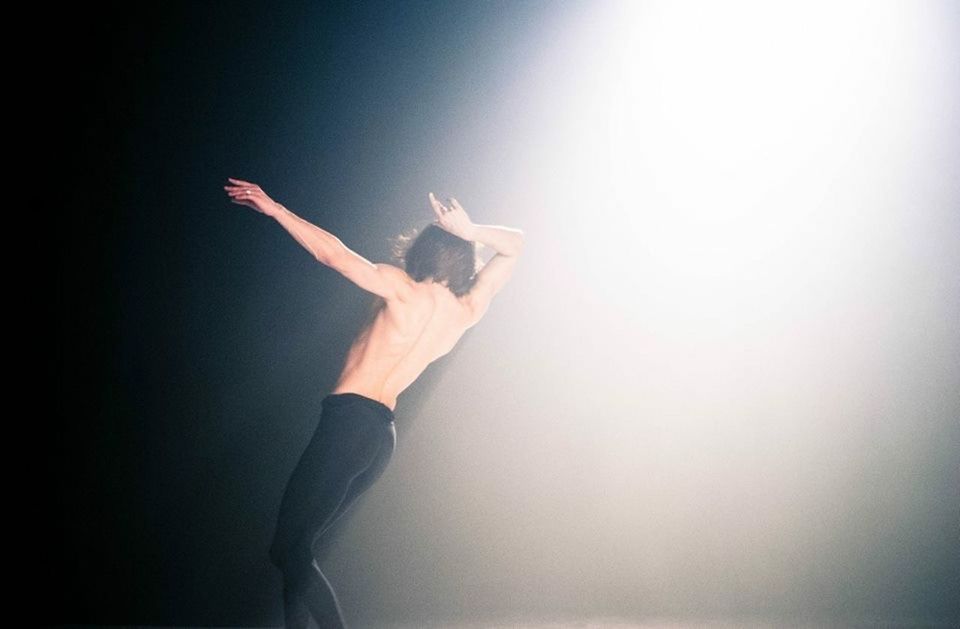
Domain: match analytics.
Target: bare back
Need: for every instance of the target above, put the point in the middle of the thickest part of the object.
(417, 322)
(401, 340)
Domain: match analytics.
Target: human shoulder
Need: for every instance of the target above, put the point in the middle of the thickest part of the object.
(393, 272)
(398, 279)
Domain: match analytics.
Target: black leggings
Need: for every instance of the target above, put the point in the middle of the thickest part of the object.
(349, 450)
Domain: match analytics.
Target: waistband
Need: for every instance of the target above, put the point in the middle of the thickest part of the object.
(347, 397)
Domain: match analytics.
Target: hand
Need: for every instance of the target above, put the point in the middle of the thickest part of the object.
(454, 219)
(251, 195)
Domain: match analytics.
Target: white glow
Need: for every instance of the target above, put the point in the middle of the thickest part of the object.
(724, 376)
(713, 135)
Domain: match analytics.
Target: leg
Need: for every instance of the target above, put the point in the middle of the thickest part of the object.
(340, 450)
(349, 450)
(358, 486)
(322, 601)
(296, 615)
(309, 595)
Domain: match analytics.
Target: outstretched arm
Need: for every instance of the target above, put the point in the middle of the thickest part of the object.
(385, 280)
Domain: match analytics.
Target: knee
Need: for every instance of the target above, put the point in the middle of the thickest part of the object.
(295, 563)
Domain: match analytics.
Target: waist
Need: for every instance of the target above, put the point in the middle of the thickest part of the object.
(349, 397)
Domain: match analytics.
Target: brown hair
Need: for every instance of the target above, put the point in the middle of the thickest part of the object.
(435, 252)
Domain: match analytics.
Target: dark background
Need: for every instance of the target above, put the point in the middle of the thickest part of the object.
(190, 359)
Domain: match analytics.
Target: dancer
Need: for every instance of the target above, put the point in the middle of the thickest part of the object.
(421, 311)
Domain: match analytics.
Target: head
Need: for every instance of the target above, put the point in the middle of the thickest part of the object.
(436, 254)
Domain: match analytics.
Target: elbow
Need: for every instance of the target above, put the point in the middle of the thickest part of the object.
(518, 248)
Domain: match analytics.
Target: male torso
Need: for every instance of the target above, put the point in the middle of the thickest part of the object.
(401, 340)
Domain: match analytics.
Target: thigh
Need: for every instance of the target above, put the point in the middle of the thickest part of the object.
(345, 444)
(377, 466)
(358, 486)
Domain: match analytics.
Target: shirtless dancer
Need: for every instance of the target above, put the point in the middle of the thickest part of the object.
(422, 312)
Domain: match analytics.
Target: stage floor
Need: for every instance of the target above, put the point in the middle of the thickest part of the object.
(600, 623)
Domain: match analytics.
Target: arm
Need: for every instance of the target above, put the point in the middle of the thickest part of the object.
(385, 280)
(506, 241)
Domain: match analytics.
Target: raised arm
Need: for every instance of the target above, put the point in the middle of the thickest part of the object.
(385, 280)
(506, 241)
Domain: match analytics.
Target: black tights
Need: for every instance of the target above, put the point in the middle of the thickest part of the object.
(349, 450)
(311, 595)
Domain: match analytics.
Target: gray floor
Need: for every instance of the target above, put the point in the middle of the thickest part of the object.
(601, 623)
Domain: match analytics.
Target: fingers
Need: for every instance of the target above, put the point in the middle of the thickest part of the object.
(449, 216)
(438, 207)
(250, 187)
(244, 202)
(247, 202)
(247, 191)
